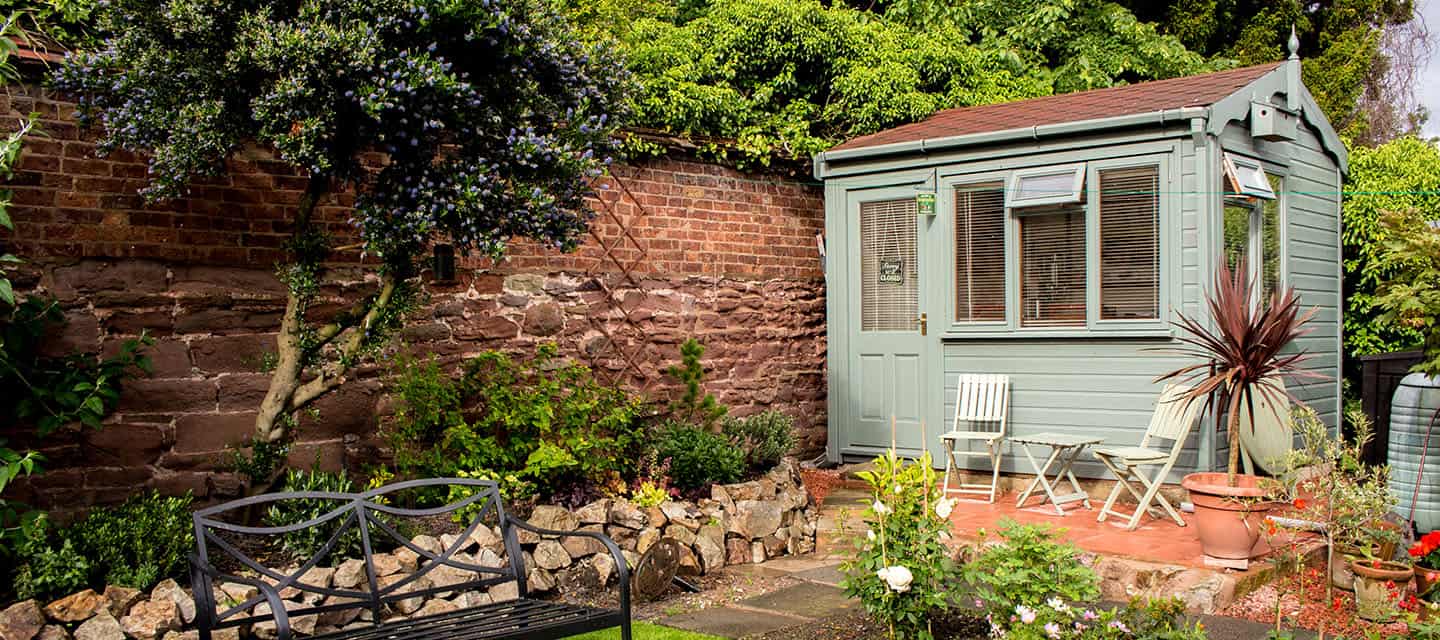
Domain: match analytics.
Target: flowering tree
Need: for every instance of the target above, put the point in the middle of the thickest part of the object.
(902, 571)
(489, 117)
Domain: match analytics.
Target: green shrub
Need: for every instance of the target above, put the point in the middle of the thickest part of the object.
(138, 543)
(764, 437)
(1159, 619)
(51, 567)
(305, 543)
(698, 457)
(536, 426)
(135, 544)
(1027, 568)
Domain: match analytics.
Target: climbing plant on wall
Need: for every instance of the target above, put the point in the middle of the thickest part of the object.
(491, 117)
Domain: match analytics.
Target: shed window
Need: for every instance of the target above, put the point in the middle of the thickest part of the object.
(1130, 244)
(980, 253)
(1052, 267)
(1247, 177)
(1252, 237)
(1060, 184)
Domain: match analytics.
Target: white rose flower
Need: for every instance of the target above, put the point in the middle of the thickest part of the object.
(944, 507)
(898, 578)
(880, 508)
(898, 488)
(870, 535)
(1057, 604)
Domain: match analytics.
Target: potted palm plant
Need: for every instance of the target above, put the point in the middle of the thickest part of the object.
(1240, 359)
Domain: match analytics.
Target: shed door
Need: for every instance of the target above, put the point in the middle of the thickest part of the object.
(888, 355)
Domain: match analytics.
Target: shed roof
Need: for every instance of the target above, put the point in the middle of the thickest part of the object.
(1145, 97)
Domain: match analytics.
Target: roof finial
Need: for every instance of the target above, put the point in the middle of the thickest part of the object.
(1294, 44)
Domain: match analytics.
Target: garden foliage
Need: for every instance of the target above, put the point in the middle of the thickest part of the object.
(764, 438)
(136, 544)
(1401, 175)
(491, 118)
(694, 406)
(537, 426)
(1157, 619)
(1027, 567)
(901, 570)
(1410, 297)
(307, 542)
(698, 458)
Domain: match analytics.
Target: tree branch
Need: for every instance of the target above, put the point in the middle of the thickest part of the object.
(334, 376)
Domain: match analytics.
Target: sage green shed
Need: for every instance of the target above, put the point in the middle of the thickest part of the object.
(1056, 239)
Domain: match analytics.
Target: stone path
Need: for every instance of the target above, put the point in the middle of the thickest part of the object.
(816, 596)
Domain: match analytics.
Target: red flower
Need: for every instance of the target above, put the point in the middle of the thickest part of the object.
(1338, 603)
(1299, 503)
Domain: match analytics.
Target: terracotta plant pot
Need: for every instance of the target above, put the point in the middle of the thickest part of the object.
(1425, 580)
(1379, 586)
(1229, 519)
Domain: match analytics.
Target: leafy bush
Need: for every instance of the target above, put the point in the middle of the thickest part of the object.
(901, 570)
(697, 457)
(138, 543)
(135, 544)
(537, 426)
(1400, 175)
(765, 437)
(305, 543)
(1027, 568)
(48, 568)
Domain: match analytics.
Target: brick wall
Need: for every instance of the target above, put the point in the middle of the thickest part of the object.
(710, 252)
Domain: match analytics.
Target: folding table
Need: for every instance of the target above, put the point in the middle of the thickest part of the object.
(1064, 449)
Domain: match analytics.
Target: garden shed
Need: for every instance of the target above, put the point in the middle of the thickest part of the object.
(1055, 239)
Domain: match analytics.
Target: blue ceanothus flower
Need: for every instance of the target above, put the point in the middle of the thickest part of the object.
(487, 118)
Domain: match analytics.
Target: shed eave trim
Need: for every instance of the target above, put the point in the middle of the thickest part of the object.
(1163, 117)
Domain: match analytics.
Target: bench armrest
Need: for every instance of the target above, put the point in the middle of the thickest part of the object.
(201, 570)
(622, 570)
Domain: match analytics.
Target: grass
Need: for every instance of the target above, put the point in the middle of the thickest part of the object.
(647, 631)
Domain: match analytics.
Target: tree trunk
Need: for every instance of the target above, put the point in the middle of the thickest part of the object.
(289, 364)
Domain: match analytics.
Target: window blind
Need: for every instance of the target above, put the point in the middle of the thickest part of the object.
(1130, 244)
(889, 275)
(980, 253)
(1052, 267)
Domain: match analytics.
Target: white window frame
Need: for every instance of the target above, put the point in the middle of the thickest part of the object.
(1242, 173)
(1160, 158)
(1075, 193)
(1255, 233)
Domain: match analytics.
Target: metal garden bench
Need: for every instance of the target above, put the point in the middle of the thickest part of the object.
(520, 617)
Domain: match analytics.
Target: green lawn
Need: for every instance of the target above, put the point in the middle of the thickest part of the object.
(647, 631)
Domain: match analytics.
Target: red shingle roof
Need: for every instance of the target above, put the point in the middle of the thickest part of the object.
(1145, 97)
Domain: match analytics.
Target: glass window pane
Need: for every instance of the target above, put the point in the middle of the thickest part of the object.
(1052, 267)
(889, 275)
(1237, 233)
(1270, 241)
(980, 254)
(1130, 244)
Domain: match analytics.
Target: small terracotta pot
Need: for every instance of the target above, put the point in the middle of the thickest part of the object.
(1425, 580)
(1376, 584)
(1228, 518)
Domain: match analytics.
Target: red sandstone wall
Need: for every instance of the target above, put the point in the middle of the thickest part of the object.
(724, 256)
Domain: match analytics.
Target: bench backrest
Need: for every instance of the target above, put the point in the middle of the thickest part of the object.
(371, 509)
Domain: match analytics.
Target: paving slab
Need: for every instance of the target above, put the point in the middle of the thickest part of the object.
(1223, 628)
(728, 622)
(827, 574)
(806, 600)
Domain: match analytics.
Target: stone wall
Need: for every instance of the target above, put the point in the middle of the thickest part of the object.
(680, 248)
(741, 524)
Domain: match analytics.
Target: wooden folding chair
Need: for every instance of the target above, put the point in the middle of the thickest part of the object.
(982, 407)
(1173, 418)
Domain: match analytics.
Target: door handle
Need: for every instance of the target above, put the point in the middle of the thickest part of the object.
(924, 323)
